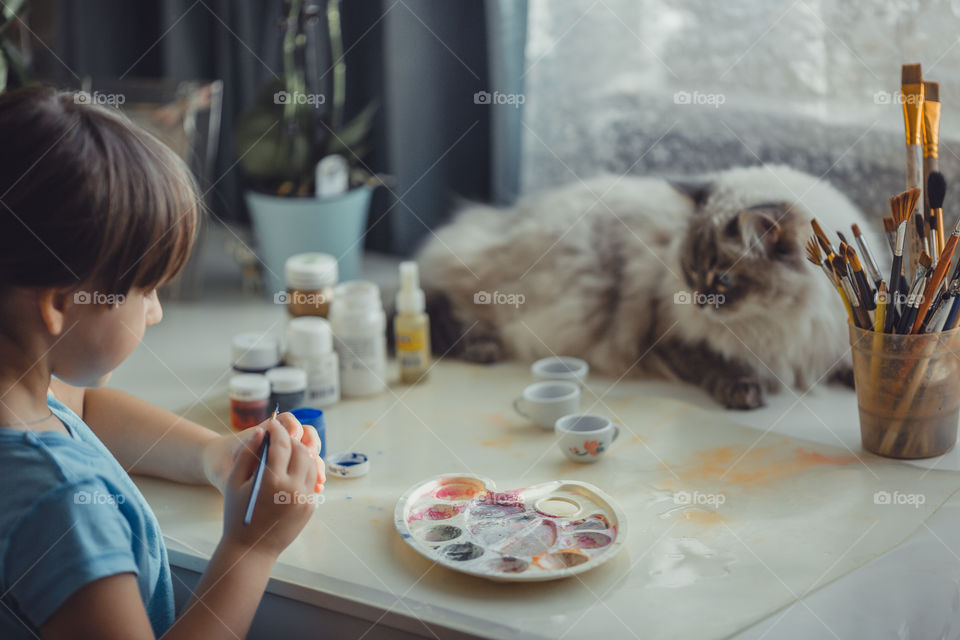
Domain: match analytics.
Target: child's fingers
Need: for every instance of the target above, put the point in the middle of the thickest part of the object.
(291, 424)
(247, 458)
(310, 437)
(312, 441)
(280, 445)
(301, 462)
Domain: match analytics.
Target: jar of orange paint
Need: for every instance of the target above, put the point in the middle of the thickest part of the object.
(249, 400)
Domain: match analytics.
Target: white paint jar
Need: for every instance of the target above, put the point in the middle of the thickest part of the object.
(310, 347)
(360, 338)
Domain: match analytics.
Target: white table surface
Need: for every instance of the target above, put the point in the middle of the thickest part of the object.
(912, 591)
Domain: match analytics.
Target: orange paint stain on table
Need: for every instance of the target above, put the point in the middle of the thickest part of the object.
(704, 518)
(755, 467)
(502, 443)
(499, 419)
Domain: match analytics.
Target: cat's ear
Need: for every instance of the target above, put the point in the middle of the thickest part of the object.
(767, 228)
(697, 189)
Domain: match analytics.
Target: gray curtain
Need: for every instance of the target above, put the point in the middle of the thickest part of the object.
(422, 59)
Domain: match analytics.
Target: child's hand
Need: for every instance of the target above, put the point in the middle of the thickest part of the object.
(287, 495)
(220, 453)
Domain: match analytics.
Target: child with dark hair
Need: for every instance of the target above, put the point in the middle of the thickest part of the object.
(95, 214)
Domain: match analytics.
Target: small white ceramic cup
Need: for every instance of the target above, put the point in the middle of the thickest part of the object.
(585, 437)
(560, 368)
(543, 403)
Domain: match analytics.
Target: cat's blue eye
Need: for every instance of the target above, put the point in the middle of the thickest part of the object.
(725, 280)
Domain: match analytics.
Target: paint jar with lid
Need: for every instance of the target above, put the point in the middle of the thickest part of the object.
(288, 387)
(254, 352)
(310, 280)
(359, 336)
(249, 400)
(310, 347)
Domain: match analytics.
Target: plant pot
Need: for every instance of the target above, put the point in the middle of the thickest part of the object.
(287, 226)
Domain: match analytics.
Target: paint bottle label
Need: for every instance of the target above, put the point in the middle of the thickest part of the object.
(363, 364)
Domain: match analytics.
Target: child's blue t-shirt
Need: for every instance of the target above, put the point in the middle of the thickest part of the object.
(69, 515)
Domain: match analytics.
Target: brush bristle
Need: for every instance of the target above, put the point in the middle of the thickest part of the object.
(902, 205)
(856, 230)
(925, 260)
(931, 92)
(937, 188)
(843, 238)
(821, 237)
(840, 263)
(889, 226)
(852, 258)
(920, 225)
(813, 252)
(911, 74)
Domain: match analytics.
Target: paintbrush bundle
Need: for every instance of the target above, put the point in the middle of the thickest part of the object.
(906, 356)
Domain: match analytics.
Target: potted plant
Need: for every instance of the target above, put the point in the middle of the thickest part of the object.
(300, 159)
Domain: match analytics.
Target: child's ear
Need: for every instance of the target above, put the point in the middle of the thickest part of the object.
(53, 305)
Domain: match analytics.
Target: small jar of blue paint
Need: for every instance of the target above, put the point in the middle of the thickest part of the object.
(314, 417)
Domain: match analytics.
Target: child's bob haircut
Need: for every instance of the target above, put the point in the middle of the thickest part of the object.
(87, 199)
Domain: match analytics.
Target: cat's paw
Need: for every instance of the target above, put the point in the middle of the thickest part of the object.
(843, 375)
(483, 351)
(740, 393)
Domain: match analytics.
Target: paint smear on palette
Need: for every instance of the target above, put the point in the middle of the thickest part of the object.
(596, 521)
(506, 498)
(756, 467)
(533, 541)
(437, 512)
(592, 540)
(493, 532)
(459, 491)
(563, 559)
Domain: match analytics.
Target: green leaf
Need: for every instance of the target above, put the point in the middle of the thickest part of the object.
(9, 10)
(354, 132)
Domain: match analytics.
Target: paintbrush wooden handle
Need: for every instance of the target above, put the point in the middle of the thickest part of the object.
(895, 294)
(914, 181)
(934, 283)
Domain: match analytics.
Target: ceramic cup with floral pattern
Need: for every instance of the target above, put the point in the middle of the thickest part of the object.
(585, 437)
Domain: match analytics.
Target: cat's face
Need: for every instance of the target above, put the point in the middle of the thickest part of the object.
(744, 260)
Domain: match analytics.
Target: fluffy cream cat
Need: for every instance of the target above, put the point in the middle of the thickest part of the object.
(704, 281)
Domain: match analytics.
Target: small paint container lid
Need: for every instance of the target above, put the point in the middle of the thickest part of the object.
(348, 465)
(287, 379)
(255, 351)
(309, 336)
(249, 386)
(310, 271)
